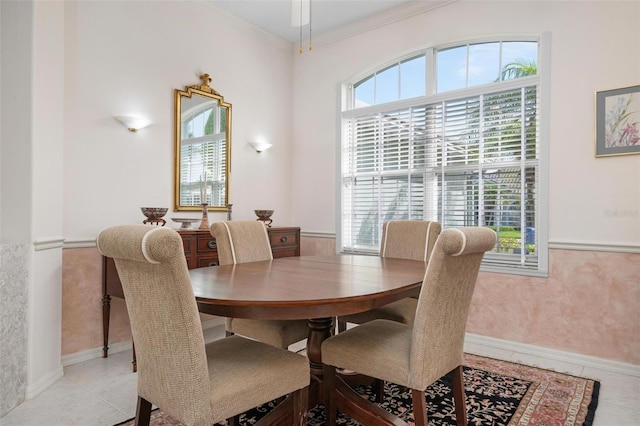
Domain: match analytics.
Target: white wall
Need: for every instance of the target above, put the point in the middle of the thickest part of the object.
(32, 134)
(594, 46)
(15, 195)
(127, 58)
(45, 290)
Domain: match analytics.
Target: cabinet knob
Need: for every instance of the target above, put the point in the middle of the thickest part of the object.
(283, 239)
(211, 244)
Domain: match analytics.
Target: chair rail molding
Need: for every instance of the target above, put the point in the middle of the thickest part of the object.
(71, 243)
(312, 234)
(48, 243)
(617, 247)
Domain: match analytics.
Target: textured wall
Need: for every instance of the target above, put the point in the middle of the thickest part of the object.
(587, 305)
(82, 304)
(14, 260)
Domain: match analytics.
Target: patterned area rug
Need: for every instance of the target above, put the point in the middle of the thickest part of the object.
(497, 392)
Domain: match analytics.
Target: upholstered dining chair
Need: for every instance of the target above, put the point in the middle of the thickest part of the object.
(248, 241)
(402, 239)
(193, 382)
(417, 355)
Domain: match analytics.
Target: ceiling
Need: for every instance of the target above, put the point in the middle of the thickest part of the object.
(327, 16)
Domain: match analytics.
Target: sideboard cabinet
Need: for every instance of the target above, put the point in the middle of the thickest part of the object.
(201, 251)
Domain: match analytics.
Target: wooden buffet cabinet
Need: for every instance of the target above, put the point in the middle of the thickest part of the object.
(201, 251)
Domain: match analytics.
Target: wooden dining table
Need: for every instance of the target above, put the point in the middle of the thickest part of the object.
(318, 289)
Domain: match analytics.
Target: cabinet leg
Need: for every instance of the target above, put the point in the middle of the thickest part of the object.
(106, 312)
(134, 362)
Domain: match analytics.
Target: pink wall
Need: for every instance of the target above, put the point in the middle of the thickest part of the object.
(82, 303)
(588, 304)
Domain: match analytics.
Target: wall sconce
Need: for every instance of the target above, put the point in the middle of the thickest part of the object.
(133, 124)
(260, 146)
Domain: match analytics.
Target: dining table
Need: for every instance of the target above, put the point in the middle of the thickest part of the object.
(316, 289)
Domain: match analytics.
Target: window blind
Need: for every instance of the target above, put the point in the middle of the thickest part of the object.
(463, 161)
(203, 153)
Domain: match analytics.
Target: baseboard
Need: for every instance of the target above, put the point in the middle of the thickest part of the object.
(214, 322)
(36, 388)
(554, 354)
(114, 348)
(94, 353)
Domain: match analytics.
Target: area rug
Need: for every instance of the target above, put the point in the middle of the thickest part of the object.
(497, 392)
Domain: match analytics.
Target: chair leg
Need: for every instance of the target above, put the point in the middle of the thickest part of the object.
(419, 408)
(329, 395)
(342, 326)
(300, 406)
(143, 412)
(459, 398)
(134, 362)
(234, 421)
(378, 385)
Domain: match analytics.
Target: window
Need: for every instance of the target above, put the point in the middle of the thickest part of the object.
(466, 154)
(203, 142)
(402, 80)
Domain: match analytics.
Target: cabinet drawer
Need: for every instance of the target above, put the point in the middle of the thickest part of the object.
(285, 252)
(206, 244)
(280, 240)
(204, 261)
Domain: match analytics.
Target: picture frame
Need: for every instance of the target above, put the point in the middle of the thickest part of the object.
(618, 122)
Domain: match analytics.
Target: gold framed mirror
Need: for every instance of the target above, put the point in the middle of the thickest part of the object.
(202, 148)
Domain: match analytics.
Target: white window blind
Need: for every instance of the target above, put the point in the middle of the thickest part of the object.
(462, 161)
(203, 153)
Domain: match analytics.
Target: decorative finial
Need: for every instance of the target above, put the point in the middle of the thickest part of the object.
(206, 79)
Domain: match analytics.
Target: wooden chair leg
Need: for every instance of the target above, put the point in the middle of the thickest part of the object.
(378, 386)
(300, 406)
(419, 408)
(459, 399)
(143, 412)
(329, 394)
(342, 326)
(134, 362)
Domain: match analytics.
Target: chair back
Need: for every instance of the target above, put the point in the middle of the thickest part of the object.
(409, 239)
(166, 328)
(443, 305)
(241, 241)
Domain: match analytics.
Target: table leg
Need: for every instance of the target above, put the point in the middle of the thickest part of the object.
(319, 329)
(360, 409)
(106, 312)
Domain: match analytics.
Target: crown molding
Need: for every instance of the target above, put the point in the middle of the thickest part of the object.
(398, 13)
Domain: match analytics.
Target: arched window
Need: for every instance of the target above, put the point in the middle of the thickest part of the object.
(452, 134)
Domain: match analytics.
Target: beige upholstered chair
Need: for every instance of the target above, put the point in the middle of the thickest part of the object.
(248, 241)
(416, 356)
(194, 383)
(402, 239)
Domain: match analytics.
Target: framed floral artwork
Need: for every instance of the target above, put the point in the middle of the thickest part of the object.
(618, 121)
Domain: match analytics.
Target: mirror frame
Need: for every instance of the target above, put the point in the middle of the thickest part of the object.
(203, 90)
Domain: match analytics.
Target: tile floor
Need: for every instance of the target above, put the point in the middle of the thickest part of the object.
(102, 391)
